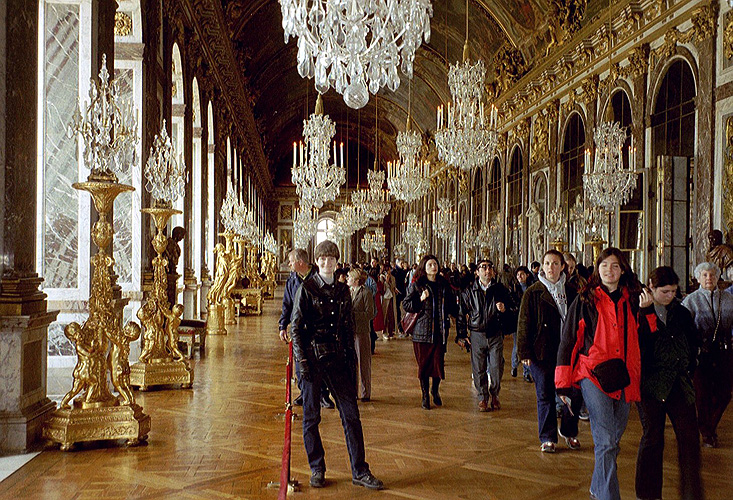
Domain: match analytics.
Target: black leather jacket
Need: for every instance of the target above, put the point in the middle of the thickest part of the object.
(478, 312)
(322, 314)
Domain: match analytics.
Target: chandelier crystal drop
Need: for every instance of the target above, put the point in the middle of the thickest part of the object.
(165, 175)
(608, 184)
(108, 128)
(445, 219)
(409, 178)
(356, 46)
(305, 224)
(315, 180)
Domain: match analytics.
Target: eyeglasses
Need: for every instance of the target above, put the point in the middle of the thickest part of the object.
(485, 266)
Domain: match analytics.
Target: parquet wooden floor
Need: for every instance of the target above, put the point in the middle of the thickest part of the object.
(223, 439)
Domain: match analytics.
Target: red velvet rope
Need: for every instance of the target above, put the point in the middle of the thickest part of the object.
(285, 467)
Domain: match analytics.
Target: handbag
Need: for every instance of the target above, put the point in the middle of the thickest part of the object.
(326, 352)
(408, 322)
(612, 374)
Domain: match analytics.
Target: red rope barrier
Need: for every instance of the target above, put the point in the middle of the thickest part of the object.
(285, 467)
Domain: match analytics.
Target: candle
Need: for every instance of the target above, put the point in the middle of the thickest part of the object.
(342, 155)
(294, 155)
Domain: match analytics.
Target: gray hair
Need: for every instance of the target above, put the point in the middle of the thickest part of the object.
(706, 266)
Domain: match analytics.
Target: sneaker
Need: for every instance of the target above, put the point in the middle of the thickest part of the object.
(709, 442)
(366, 400)
(299, 400)
(484, 406)
(584, 415)
(572, 442)
(318, 479)
(367, 480)
(547, 447)
(385, 338)
(528, 378)
(514, 372)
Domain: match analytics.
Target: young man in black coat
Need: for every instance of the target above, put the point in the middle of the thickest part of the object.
(301, 270)
(323, 343)
(481, 310)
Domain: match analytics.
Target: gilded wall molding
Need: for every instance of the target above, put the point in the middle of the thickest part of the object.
(728, 36)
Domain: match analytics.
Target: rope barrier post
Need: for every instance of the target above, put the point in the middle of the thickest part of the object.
(287, 484)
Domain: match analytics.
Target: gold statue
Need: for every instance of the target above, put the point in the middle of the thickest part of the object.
(84, 378)
(719, 253)
(174, 321)
(118, 361)
(216, 292)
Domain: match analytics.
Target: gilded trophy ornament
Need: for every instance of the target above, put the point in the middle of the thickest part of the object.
(161, 362)
(89, 411)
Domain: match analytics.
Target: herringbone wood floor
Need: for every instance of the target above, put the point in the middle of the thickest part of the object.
(223, 439)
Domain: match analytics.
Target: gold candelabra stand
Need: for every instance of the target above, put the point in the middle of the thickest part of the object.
(597, 245)
(103, 348)
(161, 362)
(252, 270)
(269, 264)
(219, 296)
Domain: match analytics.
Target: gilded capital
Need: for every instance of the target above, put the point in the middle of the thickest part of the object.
(704, 21)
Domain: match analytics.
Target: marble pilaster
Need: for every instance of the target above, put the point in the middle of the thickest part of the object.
(190, 294)
(204, 290)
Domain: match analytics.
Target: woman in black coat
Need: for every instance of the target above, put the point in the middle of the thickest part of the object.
(539, 326)
(431, 298)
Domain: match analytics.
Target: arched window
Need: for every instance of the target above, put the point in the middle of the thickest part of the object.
(572, 165)
(197, 187)
(178, 106)
(514, 208)
(494, 191)
(477, 197)
(324, 226)
(211, 217)
(673, 147)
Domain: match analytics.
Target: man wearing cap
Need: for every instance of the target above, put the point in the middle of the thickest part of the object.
(482, 307)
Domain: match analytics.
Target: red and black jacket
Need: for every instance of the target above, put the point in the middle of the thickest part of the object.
(594, 333)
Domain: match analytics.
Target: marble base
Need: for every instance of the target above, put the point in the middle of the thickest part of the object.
(230, 312)
(67, 426)
(203, 293)
(161, 372)
(190, 299)
(21, 432)
(215, 320)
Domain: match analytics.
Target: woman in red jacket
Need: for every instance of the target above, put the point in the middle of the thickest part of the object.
(601, 327)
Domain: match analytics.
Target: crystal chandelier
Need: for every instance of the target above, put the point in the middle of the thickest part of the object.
(463, 137)
(269, 243)
(409, 178)
(608, 183)
(469, 238)
(345, 43)
(400, 249)
(315, 180)
(413, 231)
(245, 224)
(228, 208)
(304, 225)
(166, 175)
(378, 204)
(108, 128)
(445, 219)
(595, 218)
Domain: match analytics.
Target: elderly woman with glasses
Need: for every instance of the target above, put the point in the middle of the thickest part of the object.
(712, 310)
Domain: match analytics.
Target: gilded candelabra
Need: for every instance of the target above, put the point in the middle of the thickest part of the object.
(161, 362)
(89, 411)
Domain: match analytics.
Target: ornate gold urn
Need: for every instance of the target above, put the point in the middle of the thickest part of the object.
(161, 362)
(89, 411)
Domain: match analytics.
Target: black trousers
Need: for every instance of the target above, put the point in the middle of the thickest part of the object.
(653, 415)
(343, 389)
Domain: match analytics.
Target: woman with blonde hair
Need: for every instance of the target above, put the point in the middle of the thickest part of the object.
(364, 312)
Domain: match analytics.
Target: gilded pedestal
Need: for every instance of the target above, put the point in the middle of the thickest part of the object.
(226, 275)
(89, 411)
(161, 362)
(597, 246)
(215, 320)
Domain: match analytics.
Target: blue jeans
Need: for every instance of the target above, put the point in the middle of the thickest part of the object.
(608, 419)
(515, 357)
(343, 389)
(543, 374)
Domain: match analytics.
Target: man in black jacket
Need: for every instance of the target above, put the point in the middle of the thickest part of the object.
(323, 343)
(400, 275)
(482, 307)
(301, 270)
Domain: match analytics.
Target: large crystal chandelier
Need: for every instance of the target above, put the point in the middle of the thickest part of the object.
(445, 219)
(400, 249)
(165, 175)
(228, 209)
(470, 237)
(315, 180)
(305, 224)
(409, 178)
(608, 184)
(345, 43)
(245, 224)
(378, 204)
(464, 138)
(269, 243)
(108, 128)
